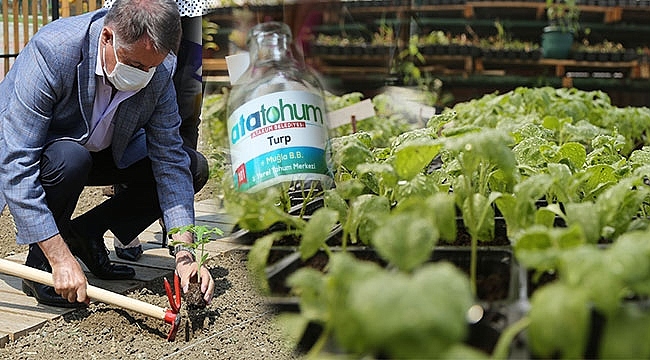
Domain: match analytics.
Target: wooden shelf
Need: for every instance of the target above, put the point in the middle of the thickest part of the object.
(469, 9)
(626, 23)
(214, 64)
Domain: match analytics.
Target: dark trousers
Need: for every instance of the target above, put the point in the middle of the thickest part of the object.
(67, 167)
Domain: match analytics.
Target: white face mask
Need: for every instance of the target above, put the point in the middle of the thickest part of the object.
(125, 77)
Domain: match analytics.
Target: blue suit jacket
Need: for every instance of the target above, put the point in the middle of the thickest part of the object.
(48, 95)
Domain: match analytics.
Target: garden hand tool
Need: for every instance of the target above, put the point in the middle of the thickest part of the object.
(170, 316)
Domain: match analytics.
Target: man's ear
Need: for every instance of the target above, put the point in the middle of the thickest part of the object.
(106, 36)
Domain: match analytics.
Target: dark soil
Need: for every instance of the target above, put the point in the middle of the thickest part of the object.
(193, 299)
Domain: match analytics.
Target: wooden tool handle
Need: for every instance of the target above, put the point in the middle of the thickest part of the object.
(93, 292)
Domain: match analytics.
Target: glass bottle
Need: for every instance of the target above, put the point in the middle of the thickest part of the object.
(277, 119)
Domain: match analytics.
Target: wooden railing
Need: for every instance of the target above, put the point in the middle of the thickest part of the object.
(20, 20)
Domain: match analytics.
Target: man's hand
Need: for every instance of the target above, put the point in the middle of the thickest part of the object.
(186, 267)
(69, 279)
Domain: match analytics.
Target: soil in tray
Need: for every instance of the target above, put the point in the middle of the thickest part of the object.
(463, 237)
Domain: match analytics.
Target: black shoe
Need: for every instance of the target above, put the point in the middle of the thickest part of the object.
(94, 255)
(130, 253)
(47, 296)
(44, 294)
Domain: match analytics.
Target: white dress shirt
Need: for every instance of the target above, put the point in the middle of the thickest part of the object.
(101, 124)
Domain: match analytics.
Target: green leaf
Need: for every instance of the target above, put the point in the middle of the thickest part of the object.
(587, 216)
(539, 247)
(463, 352)
(630, 258)
(588, 268)
(626, 334)
(349, 189)
(363, 210)
(564, 185)
(620, 203)
(259, 210)
(405, 241)
(409, 316)
(311, 287)
(598, 178)
(573, 152)
(316, 231)
(333, 200)
(387, 178)
(443, 208)
(257, 259)
(349, 152)
(519, 209)
(545, 217)
(410, 160)
(551, 332)
(478, 217)
(640, 157)
(419, 186)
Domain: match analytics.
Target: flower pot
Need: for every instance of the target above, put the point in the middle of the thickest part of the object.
(556, 44)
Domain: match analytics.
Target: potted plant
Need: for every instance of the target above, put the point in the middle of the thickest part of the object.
(558, 35)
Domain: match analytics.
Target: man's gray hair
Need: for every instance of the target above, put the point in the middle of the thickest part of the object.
(159, 20)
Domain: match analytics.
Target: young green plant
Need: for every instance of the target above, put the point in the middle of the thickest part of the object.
(201, 237)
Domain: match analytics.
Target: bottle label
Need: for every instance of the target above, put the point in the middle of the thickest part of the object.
(278, 137)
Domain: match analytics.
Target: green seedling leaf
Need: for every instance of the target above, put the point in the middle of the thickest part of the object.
(310, 285)
(630, 258)
(598, 178)
(586, 216)
(620, 203)
(550, 333)
(405, 241)
(443, 209)
(461, 351)
(350, 151)
(640, 157)
(201, 238)
(349, 189)
(539, 247)
(574, 153)
(564, 188)
(478, 217)
(334, 201)
(582, 268)
(519, 209)
(384, 173)
(545, 217)
(365, 211)
(257, 260)
(489, 146)
(259, 210)
(439, 209)
(410, 160)
(316, 231)
(420, 186)
(408, 316)
(625, 334)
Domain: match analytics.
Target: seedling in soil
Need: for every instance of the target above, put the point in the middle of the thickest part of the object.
(194, 297)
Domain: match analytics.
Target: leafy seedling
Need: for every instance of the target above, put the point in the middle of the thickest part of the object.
(201, 238)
